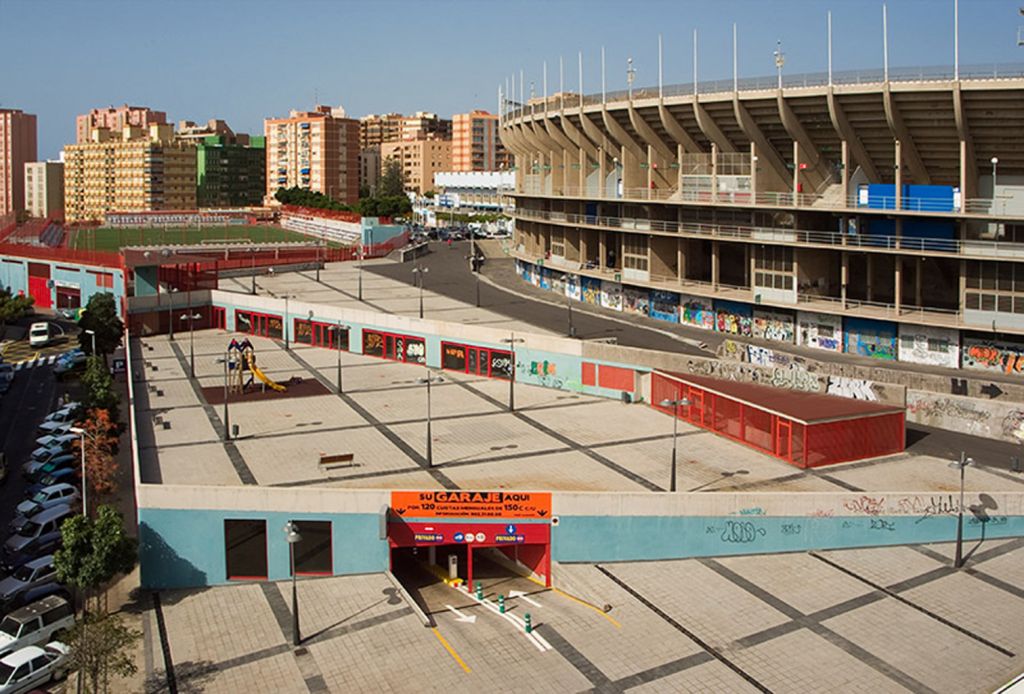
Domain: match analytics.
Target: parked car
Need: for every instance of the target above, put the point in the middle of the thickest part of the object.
(53, 495)
(28, 668)
(39, 334)
(35, 623)
(6, 372)
(45, 455)
(54, 440)
(35, 573)
(58, 476)
(33, 471)
(39, 592)
(22, 518)
(41, 534)
(3, 466)
(69, 361)
(54, 427)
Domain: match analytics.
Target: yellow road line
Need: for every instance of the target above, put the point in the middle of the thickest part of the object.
(587, 604)
(451, 651)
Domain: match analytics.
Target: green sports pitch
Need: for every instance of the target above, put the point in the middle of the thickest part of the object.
(113, 239)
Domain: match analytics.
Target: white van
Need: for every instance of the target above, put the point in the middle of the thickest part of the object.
(39, 334)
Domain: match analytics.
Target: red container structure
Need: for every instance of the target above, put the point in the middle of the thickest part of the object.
(804, 429)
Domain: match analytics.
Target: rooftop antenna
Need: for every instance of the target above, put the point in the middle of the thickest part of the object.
(695, 62)
(885, 42)
(956, 40)
(780, 60)
(661, 89)
(830, 48)
(735, 60)
(630, 76)
(602, 76)
(1020, 31)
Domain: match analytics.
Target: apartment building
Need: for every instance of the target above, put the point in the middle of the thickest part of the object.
(376, 129)
(420, 160)
(423, 125)
(317, 150)
(475, 143)
(17, 146)
(115, 119)
(369, 168)
(230, 170)
(44, 189)
(132, 170)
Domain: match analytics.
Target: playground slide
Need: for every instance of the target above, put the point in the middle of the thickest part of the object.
(263, 377)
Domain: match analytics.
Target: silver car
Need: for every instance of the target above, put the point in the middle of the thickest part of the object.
(35, 573)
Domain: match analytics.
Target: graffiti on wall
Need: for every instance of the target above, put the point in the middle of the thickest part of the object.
(989, 355)
(611, 295)
(855, 388)
(733, 319)
(545, 278)
(636, 301)
(696, 312)
(591, 290)
(960, 414)
(869, 338)
(774, 325)
(934, 346)
(664, 305)
(572, 287)
(820, 331)
(792, 377)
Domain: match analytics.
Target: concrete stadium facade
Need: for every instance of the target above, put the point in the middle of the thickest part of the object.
(895, 201)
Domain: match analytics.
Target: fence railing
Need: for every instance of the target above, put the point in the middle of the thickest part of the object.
(1007, 206)
(101, 258)
(979, 247)
(936, 73)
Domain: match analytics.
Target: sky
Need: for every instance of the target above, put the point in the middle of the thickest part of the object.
(245, 61)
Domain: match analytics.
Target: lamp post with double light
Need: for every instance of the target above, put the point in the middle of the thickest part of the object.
(511, 341)
(191, 317)
(675, 404)
(291, 532)
(92, 334)
(85, 486)
(430, 446)
(418, 273)
(960, 465)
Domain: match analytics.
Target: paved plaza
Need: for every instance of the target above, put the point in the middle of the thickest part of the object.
(555, 440)
(893, 619)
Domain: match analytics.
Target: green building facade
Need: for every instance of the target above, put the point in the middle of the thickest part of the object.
(229, 174)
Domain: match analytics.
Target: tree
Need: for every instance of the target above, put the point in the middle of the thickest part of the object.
(392, 179)
(94, 551)
(101, 317)
(99, 645)
(99, 387)
(101, 437)
(13, 307)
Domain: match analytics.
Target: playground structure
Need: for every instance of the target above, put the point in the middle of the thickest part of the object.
(241, 358)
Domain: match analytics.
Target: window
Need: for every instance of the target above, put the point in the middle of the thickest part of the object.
(994, 287)
(313, 556)
(245, 546)
(773, 267)
(634, 252)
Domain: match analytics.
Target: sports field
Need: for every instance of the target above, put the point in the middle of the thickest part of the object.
(109, 239)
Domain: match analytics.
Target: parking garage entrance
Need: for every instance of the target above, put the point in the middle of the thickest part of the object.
(501, 540)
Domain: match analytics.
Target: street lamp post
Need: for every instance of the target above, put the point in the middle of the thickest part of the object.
(995, 164)
(511, 341)
(430, 447)
(92, 333)
(291, 532)
(81, 438)
(962, 466)
(170, 311)
(568, 305)
(284, 328)
(227, 416)
(252, 289)
(675, 405)
(191, 317)
(418, 272)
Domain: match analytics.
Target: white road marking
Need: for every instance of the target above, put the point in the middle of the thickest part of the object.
(459, 617)
(522, 596)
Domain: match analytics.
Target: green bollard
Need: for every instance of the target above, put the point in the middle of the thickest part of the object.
(501, 604)
(479, 591)
(529, 625)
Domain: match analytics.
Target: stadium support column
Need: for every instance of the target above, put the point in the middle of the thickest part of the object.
(650, 171)
(898, 283)
(868, 259)
(796, 169)
(963, 172)
(583, 172)
(845, 173)
(714, 172)
(918, 293)
(898, 155)
(753, 170)
(714, 266)
(602, 248)
(680, 261)
(679, 170)
(844, 278)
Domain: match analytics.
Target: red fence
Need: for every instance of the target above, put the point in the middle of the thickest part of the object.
(101, 258)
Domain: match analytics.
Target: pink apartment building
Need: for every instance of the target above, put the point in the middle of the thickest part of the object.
(17, 146)
(115, 119)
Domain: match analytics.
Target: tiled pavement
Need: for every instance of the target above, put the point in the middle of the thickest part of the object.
(805, 622)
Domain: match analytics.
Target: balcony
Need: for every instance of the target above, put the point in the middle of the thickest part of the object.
(974, 248)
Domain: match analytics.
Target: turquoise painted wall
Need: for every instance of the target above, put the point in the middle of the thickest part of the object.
(146, 280)
(181, 548)
(640, 538)
(14, 274)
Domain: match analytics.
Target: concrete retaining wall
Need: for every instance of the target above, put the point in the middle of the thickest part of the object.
(991, 419)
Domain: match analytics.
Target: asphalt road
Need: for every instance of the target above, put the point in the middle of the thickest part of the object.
(450, 275)
(32, 395)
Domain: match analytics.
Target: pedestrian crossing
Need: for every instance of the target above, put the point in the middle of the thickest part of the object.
(33, 362)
